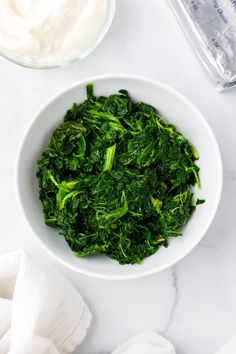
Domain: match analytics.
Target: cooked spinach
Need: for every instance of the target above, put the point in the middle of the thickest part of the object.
(116, 178)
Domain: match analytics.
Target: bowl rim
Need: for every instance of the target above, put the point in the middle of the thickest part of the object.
(141, 273)
(104, 30)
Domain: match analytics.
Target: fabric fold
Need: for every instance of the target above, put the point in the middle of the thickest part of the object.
(41, 312)
(229, 347)
(146, 343)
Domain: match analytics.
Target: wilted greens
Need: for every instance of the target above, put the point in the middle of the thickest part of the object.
(116, 178)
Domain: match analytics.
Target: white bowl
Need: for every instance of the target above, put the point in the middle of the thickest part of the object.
(177, 110)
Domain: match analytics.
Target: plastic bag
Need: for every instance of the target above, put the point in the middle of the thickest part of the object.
(211, 27)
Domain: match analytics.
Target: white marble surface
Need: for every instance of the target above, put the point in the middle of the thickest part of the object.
(194, 302)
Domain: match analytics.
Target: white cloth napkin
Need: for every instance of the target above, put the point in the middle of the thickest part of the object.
(146, 343)
(40, 311)
(229, 347)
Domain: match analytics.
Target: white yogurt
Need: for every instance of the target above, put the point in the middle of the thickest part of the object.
(50, 32)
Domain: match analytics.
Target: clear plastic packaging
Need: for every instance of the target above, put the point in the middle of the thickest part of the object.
(210, 25)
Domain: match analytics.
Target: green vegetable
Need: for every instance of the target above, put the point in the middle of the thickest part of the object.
(117, 179)
(109, 157)
(200, 201)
